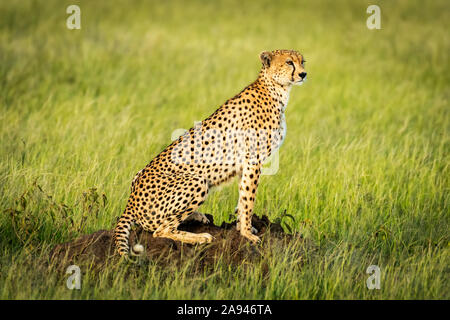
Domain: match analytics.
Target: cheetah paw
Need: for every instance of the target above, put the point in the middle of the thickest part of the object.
(202, 218)
(252, 238)
(199, 217)
(205, 238)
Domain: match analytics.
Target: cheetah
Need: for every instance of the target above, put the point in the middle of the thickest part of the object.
(233, 141)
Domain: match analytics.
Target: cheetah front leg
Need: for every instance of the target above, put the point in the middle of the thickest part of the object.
(247, 191)
(238, 223)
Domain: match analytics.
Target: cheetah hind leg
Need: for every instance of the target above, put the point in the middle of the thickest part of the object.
(168, 229)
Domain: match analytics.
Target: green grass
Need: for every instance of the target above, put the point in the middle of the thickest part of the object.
(364, 168)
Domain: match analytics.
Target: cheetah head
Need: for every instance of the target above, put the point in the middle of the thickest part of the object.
(286, 67)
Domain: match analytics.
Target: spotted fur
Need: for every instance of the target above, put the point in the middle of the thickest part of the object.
(233, 141)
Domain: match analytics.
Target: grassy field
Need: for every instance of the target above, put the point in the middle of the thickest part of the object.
(364, 168)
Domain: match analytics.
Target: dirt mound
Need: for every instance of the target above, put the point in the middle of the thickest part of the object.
(228, 246)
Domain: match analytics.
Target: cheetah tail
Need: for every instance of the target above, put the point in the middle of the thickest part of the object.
(121, 237)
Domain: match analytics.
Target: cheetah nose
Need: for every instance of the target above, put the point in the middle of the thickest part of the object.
(302, 75)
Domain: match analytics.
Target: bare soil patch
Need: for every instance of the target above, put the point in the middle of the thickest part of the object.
(228, 247)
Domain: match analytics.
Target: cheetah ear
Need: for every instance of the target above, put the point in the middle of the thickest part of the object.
(265, 57)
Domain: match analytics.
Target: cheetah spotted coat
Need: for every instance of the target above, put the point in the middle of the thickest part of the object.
(233, 141)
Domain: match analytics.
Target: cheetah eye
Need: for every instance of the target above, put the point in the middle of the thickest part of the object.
(290, 63)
